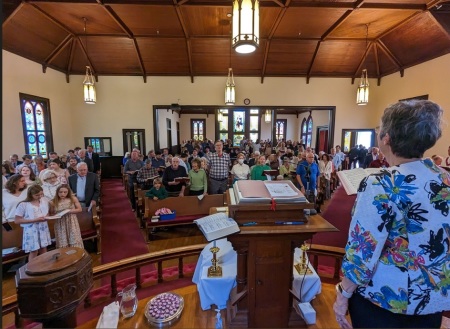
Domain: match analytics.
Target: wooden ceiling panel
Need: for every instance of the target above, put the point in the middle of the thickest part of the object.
(289, 57)
(268, 17)
(211, 56)
(32, 35)
(379, 20)
(207, 21)
(113, 55)
(403, 42)
(249, 64)
(150, 20)
(310, 22)
(164, 56)
(71, 15)
(338, 58)
(414, 2)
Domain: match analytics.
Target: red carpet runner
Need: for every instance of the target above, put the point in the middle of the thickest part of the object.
(121, 236)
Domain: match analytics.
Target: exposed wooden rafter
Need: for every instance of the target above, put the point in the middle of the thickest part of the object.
(186, 35)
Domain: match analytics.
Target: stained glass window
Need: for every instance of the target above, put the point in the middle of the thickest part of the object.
(239, 121)
(280, 127)
(254, 123)
(36, 125)
(101, 145)
(198, 129)
(307, 128)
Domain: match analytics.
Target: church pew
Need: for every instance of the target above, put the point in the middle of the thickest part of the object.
(187, 208)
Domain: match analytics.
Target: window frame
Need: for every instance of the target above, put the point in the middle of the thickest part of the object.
(45, 104)
(204, 129)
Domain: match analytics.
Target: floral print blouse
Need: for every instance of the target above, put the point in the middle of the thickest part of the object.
(398, 245)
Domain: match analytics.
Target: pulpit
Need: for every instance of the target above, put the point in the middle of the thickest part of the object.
(264, 266)
(51, 286)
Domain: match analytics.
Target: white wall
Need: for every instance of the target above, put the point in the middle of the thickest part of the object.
(127, 102)
(163, 115)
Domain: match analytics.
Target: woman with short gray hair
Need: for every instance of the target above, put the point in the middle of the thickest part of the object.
(395, 270)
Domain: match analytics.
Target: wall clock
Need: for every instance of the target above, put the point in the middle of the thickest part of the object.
(246, 101)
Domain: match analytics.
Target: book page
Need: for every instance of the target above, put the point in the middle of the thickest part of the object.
(351, 179)
(58, 215)
(215, 222)
(280, 190)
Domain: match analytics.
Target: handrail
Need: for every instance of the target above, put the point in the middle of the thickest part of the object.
(10, 304)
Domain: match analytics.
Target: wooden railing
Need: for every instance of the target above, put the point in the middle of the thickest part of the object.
(10, 304)
(337, 253)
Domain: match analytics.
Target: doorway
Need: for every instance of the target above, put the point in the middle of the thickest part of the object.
(133, 138)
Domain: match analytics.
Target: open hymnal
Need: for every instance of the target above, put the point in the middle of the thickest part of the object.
(150, 179)
(255, 191)
(58, 215)
(217, 226)
(182, 179)
(351, 179)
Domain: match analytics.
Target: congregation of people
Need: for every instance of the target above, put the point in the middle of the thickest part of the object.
(34, 189)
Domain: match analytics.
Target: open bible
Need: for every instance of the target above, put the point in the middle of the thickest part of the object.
(182, 179)
(351, 179)
(58, 215)
(217, 226)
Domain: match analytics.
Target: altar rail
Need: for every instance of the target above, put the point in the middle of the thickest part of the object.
(10, 305)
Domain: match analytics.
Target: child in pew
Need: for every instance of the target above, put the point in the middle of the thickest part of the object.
(67, 229)
(30, 214)
(158, 191)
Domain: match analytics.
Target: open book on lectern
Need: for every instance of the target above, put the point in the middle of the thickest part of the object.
(217, 226)
(351, 179)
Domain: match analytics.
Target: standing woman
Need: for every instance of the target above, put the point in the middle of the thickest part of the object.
(198, 179)
(28, 173)
(240, 170)
(30, 214)
(258, 168)
(15, 191)
(50, 183)
(325, 169)
(67, 229)
(61, 174)
(396, 266)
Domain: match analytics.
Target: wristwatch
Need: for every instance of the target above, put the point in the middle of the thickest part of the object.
(342, 291)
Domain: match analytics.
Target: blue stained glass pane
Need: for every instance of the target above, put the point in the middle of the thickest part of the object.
(32, 145)
(39, 112)
(42, 144)
(29, 117)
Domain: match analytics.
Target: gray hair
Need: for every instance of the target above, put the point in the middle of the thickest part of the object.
(413, 127)
(81, 164)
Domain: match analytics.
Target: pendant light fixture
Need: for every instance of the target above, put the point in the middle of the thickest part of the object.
(230, 93)
(267, 116)
(90, 95)
(245, 35)
(362, 94)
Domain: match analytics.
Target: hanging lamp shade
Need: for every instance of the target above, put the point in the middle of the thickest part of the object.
(362, 94)
(230, 97)
(245, 37)
(267, 116)
(90, 96)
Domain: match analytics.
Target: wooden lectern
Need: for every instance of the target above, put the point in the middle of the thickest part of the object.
(265, 255)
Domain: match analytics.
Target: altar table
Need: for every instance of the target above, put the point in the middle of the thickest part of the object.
(217, 290)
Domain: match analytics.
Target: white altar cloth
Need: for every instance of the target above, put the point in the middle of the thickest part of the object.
(217, 290)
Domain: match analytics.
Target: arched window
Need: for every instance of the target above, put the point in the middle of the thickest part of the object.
(306, 129)
(36, 125)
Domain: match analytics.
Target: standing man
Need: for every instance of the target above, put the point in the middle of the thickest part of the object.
(85, 185)
(219, 165)
(338, 158)
(83, 158)
(131, 168)
(173, 187)
(94, 157)
(158, 163)
(372, 156)
(307, 173)
(353, 157)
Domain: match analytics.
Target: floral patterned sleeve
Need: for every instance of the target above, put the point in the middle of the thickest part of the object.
(368, 231)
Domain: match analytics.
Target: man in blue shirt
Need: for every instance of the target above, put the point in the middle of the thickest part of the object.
(307, 173)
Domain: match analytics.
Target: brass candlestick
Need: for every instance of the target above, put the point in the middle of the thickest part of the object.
(302, 267)
(214, 270)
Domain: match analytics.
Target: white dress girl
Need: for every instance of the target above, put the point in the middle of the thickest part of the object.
(35, 235)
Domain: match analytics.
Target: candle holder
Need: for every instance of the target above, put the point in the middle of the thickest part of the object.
(214, 271)
(302, 267)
